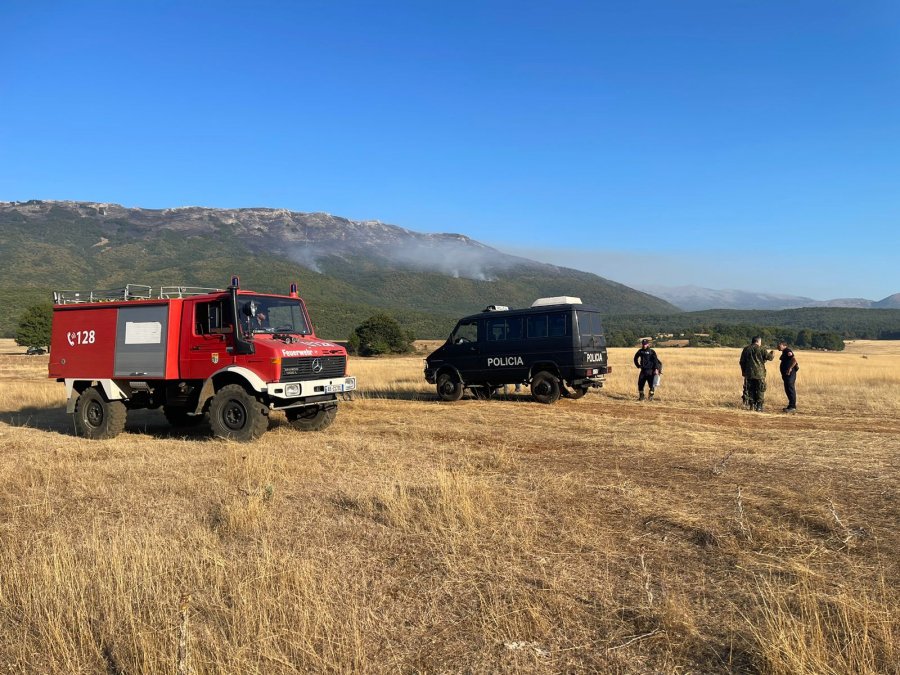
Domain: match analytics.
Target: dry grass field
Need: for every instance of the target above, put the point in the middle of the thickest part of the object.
(599, 535)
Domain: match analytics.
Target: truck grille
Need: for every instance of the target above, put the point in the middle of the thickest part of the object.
(313, 368)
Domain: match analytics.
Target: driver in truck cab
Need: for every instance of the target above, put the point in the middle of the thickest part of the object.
(255, 316)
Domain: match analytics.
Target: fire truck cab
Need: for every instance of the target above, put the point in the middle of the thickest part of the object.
(228, 355)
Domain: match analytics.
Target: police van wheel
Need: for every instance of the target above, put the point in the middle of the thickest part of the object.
(235, 415)
(545, 388)
(449, 388)
(311, 418)
(97, 418)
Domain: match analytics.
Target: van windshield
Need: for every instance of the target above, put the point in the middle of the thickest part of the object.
(261, 314)
(464, 332)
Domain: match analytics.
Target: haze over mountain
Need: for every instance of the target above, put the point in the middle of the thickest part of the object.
(696, 298)
(347, 269)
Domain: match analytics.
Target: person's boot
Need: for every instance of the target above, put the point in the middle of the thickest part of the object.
(651, 394)
(759, 407)
(641, 396)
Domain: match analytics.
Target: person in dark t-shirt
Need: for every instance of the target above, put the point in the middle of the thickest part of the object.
(789, 368)
(650, 366)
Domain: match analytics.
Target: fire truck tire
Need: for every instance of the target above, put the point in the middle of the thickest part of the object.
(449, 388)
(235, 415)
(97, 418)
(312, 418)
(545, 387)
(178, 417)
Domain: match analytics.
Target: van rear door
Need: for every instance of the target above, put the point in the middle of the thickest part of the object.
(591, 340)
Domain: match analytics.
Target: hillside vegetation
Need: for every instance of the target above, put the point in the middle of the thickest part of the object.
(600, 535)
(347, 270)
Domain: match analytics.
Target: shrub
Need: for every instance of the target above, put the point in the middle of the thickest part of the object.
(34, 326)
(380, 334)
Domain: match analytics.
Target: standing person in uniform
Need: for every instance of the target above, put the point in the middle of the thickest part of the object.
(789, 368)
(753, 362)
(650, 366)
(745, 371)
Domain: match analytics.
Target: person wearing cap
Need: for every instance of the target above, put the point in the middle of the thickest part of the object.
(753, 365)
(789, 368)
(649, 364)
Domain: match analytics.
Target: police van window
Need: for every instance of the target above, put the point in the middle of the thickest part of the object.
(504, 329)
(496, 330)
(559, 324)
(465, 332)
(514, 328)
(537, 326)
(589, 323)
(591, 329)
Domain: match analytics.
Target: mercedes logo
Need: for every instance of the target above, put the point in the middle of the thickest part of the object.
(317, 366)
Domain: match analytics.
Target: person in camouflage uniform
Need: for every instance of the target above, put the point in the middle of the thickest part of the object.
(753, 365)
(745, 371)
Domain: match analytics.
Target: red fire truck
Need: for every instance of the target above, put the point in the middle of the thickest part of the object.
(228, 355)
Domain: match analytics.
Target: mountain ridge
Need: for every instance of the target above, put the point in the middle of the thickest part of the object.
(347, 269)
(696, 298)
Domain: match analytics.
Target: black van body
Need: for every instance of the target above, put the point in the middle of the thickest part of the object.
(558, 349)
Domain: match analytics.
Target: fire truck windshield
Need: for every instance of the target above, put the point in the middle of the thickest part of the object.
(260, 314)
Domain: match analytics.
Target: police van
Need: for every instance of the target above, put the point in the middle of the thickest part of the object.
(556, 346)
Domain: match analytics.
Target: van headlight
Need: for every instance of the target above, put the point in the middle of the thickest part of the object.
(292, 390)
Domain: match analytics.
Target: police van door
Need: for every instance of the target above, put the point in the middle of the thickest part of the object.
(463, 349)
(503, 350)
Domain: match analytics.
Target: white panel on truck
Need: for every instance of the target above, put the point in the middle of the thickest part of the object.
(141, 341)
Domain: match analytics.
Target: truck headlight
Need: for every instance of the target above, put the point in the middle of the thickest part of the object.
(292, 390)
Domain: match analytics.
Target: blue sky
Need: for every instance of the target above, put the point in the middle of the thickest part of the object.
(751, 145)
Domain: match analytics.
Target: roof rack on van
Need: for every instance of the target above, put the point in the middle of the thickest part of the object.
(496, 308)
(556, 300)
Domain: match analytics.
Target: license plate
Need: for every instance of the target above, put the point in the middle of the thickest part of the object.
(338, 388)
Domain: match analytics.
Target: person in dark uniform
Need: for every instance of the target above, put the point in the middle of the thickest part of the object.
(789, 368)
(753, 363)
(745, 371)
(650, 366)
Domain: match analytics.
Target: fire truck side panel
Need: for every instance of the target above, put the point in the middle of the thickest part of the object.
(82, 343)
(141, 341)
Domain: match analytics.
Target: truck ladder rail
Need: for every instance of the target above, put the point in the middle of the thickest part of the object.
(185, 291)
(129, 292)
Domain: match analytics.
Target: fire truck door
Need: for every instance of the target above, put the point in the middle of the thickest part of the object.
(206, 342)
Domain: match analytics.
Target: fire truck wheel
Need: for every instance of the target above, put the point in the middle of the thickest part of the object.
(311, 418)
(179, 418)
(545, 387)
(97, 418)
(449, 388)
(235, 415)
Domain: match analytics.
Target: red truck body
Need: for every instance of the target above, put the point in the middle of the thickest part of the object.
(182, 349)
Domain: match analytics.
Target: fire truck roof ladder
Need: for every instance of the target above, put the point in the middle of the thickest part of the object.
(185, 291)
(129, 292)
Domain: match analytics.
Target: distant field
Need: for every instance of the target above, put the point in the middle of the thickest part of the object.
(605, 535)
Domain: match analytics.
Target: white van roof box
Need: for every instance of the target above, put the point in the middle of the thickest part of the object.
(558, 300)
